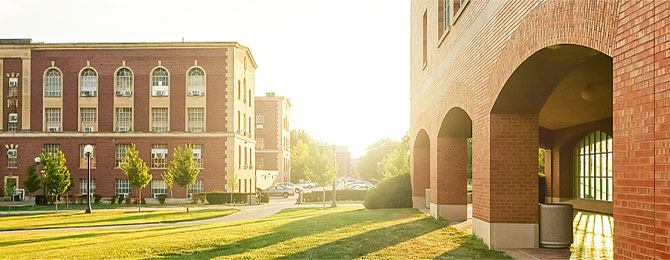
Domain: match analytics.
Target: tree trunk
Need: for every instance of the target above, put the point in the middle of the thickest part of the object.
(324, 196)
(139, 202)
(171, 197)
(187, 186)
(56, 205)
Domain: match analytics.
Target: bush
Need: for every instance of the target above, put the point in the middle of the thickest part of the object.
(142, 202)
(41, 200)
(395, 192)
(317, 196)
(97, 198)
(199, 197)
(113, 199)
(161, 198)
(224, 197)
(120, 199)
(264, 196)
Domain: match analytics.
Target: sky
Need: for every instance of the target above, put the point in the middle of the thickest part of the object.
(343, 63)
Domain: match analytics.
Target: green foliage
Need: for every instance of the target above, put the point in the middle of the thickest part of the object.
(368, 166)
(113, 199)
(120, 199)
(97, 198)
(33, 182)
(469, 158)
(231, 181)
(317, 196)
(300, 142)
(137, 171)
(182, 167)
(321, 168)
(10, 188)
(396, 162)
(41, 200)
(169, 180)
(541, 161)
(227, 197)
(161, 198)
(395, 192)
(56, 177)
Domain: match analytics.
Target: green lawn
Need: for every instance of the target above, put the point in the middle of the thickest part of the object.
(62, 206)
(343, 232)
(105, 218)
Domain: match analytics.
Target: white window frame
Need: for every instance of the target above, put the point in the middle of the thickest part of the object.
(260, 120)
(88, 82)
(196, 80)
(160, 82)
(124, 82)
(123, 117)
(12, 160)
(260, 142)
(160, 119)
(51, 149)
(195, 188)
(83, 188)
(122, 185)
(159, 153)
(195, 119)
(120, 154)
(88, 116)
(158, 187)
(53, 82)
(12, 122)
(53, 118)
(198, 149)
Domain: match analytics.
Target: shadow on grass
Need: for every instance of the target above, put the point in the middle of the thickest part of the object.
(473, 247)
(303, 227)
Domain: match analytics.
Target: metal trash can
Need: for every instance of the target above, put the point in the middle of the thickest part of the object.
(428, 198)
(556, 225)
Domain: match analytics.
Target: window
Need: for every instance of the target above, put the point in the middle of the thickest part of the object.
(260, 142)
(593, 167)
(158, 187)
(120, 153)
(13, 87)
(198, 155)
(83, 186)
(123, 84)
(442, 17)
(196, 119)
(124, 119)
(195, 188)
(260, 163)
(425, 39)
(196, 82)
(53, 83)
(88, 80)
(121, 187)
(244, 97)
(88, 118)
(52, 149)
(260, 120)
(13, 122)
(83, 160)
(52, 119)
(458, 8)
(11, 157)
(159, 119)
(158, 155)
(239, 152)
(160, 81)
(239, 89)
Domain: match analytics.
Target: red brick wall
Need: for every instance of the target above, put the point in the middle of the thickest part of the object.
(420, 168)
(269, 161)
(213, 174)
(141, 62)
(271, 128)
(452, 174)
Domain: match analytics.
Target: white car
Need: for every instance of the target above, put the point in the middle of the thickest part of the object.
(297, 188)
(307, 184)
(361, 187)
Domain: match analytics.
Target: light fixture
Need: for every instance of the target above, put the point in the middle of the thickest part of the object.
(588, 92)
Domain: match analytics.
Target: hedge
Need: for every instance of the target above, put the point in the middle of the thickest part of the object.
(224, 197)
(395, 192)
(317, 196)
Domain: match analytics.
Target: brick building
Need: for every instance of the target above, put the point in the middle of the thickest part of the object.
(343, 159)
(273, 135)
(154, 95)
(585, 80)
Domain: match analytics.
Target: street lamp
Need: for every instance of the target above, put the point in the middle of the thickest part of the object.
(37, 168)
(88, 151)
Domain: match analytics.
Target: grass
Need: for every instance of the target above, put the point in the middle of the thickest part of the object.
(105, 218)
(62, 206)
(342, 233)
(328, 202)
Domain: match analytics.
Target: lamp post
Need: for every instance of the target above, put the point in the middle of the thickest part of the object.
(37, 168)
(88, 151)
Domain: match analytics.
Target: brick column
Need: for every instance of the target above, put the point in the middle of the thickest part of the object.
(512, 220)
(450, 187)
(420, 175)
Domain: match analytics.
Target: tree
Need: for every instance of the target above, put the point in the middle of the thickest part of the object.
(182, 167)
(300, 141)
(137, 172)
(368, 166)
(321, 169)
(56, 177)
(231, 182)
(10, 188)
(396, 162)
(33, 182)
(169, 181)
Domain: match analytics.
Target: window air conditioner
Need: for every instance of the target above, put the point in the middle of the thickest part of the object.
(13, 82)
(127, 93)
(161, 93)
(195, 92)
(197, 155)
(158, 155)
(13, 118)
(53, 129)
(89, 129)
(88, 93)
(122, 128)
(11, 153)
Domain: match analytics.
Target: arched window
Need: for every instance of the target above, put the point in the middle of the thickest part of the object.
(196, 82)
(593, 167)
(53, 83)
(160, 81)
(88, 80)
(124, 82)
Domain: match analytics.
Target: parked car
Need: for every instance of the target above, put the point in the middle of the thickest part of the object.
(361, 187)
(279, 190)
(307, 184)
(358, 182)
(291, 185)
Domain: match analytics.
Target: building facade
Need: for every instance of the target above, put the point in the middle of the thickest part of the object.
(155, 95)
(343, 159)
(585, 80)
(273, 135)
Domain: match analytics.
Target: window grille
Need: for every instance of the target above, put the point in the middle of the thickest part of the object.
(159, 119)
(13, 122)
(158, 156)
(260, 163)
(593, 167)
(89, 83)
(121, 187)
(195, 188)
(12, 154)
(124, 82)
(196, 81)
(52, 149)
(158, 187)
(260, 142)
(196, 119)
(198, 155)
(83, 186)
(160, 81)
(88, 117)
(53, 83)
(120, 153)
(53, 118)
(124, 119)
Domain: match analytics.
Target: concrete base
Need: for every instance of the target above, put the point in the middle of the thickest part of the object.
(419, 202)
(507, 235)
(451, 213)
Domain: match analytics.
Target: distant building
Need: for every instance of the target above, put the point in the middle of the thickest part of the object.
(343, 159)
(354, 167)
(273, 135)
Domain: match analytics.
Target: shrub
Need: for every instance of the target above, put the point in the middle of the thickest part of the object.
(224, 197)
(199, 197)
(113, 199)
(121, 198)
(264, 196)
(395, 192)
(142, 201)
(97, 198)
(161, 198)
(317, 196)
(41, 200)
